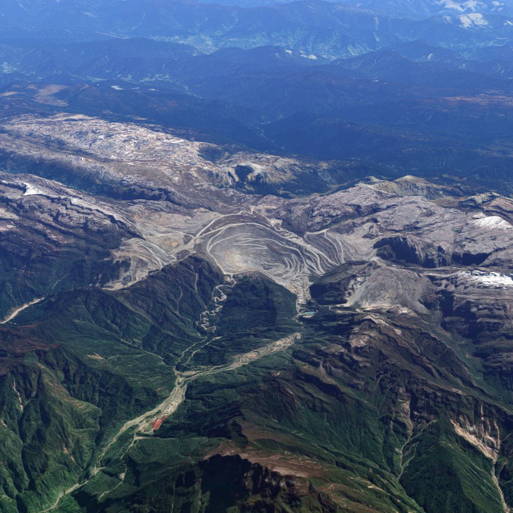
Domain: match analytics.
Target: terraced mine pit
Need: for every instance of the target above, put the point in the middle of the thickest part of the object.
(331, 352)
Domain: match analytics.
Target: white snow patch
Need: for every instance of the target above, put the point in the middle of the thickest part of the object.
(31, 190)
(474, 19)
(491, 279)
(310, 56)
(450, 4)
(472, 6)
(493, 222)
(7, 68)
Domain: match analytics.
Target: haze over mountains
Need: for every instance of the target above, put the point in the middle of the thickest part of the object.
(318, 80)
(256, 256)
(326, 28)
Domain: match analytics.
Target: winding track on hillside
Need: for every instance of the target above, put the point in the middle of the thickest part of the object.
(14, 313)
(143, 423)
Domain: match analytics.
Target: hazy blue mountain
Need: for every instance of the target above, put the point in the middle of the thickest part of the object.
(315, 27)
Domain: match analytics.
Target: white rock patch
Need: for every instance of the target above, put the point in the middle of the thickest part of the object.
(474, 19)
(493, 222)
(492, 279)
(31, 190)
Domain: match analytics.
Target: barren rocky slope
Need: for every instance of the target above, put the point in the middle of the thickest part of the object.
(173, 313)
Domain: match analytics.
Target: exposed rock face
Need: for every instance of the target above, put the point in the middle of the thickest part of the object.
(139, 162)
(53, 238)
(411, 250)
(333, 352)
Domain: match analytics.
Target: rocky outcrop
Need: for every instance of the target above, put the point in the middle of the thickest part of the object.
(411, 250)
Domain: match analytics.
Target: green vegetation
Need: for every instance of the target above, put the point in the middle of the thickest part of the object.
(326, 426)
(446, 473)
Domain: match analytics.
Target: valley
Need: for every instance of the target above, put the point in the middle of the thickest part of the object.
(142, 426)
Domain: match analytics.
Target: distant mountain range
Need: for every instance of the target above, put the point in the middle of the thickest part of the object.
(318, 28)
(400, 8)
(426, 8)
(409, 108)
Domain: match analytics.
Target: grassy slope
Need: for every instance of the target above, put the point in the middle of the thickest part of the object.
(79, 365)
